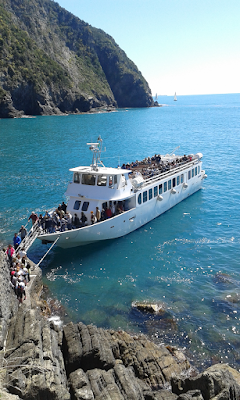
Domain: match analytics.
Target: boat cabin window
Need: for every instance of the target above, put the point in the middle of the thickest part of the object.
(102, 180)
(110, 180)
(77, 205)
(178, 180)
(189, 174)
(182, 178)
(124, 181)
(195, 170)
(199, 169)
(144, 197)
(76, 177)
(169, 184)
(155, 191)
(140, 198)
(160, 189)
(113, 180)
(192, 172)
(165, 186)
(150, 194)
(104, 205)
(174, 182)
(85, 205)
(88, 179)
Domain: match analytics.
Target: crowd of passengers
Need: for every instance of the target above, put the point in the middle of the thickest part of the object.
(19, 269)
(154, 165)
(61, 220)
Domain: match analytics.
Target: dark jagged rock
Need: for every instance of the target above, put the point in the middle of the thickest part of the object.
(41, 361)
(8, 301)
(34, 358)
(52, 62)
(191, 395)
(216, 383)
(87, 347)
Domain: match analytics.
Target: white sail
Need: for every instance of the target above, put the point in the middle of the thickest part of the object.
(175, 97)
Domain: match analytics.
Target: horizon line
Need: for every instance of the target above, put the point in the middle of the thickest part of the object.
(196, 94)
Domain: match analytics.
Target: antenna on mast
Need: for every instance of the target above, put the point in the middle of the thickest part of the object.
(96, 149)
(178, 147)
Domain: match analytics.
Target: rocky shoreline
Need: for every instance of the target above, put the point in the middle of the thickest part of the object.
(42, 361)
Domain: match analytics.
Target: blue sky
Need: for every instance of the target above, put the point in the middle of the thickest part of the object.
(183, 46)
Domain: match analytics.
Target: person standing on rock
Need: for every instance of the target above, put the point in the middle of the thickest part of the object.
(9, 252)
(21, 290)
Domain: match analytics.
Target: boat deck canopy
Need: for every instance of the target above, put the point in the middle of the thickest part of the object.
(100, 170)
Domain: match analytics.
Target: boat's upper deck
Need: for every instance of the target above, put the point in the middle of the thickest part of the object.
(99, 182)
(100, 170)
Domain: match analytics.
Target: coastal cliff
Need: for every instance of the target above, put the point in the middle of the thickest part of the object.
(51, 62)
(42, 361)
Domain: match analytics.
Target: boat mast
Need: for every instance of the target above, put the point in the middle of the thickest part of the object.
(96, 149)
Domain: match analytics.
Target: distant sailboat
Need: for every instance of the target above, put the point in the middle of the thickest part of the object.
(175, 97)
(156, 97)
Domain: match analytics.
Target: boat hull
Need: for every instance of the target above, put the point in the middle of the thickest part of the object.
(126, 222)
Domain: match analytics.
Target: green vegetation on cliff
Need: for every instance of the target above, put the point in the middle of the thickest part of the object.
(22, 60)
(51, 61)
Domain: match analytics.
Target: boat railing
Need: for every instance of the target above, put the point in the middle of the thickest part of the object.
(163, 175)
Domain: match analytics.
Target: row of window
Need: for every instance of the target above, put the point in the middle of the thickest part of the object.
(193, 172)
(168, 185)
(90, 179)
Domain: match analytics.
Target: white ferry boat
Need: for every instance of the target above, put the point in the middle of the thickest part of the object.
(137, 193)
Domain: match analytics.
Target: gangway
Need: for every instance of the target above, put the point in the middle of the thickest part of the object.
(30, 237)
(27, 242)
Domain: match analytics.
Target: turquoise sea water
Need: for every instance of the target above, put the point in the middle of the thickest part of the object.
(187, 259)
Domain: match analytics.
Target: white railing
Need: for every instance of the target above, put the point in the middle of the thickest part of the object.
(168, 173)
